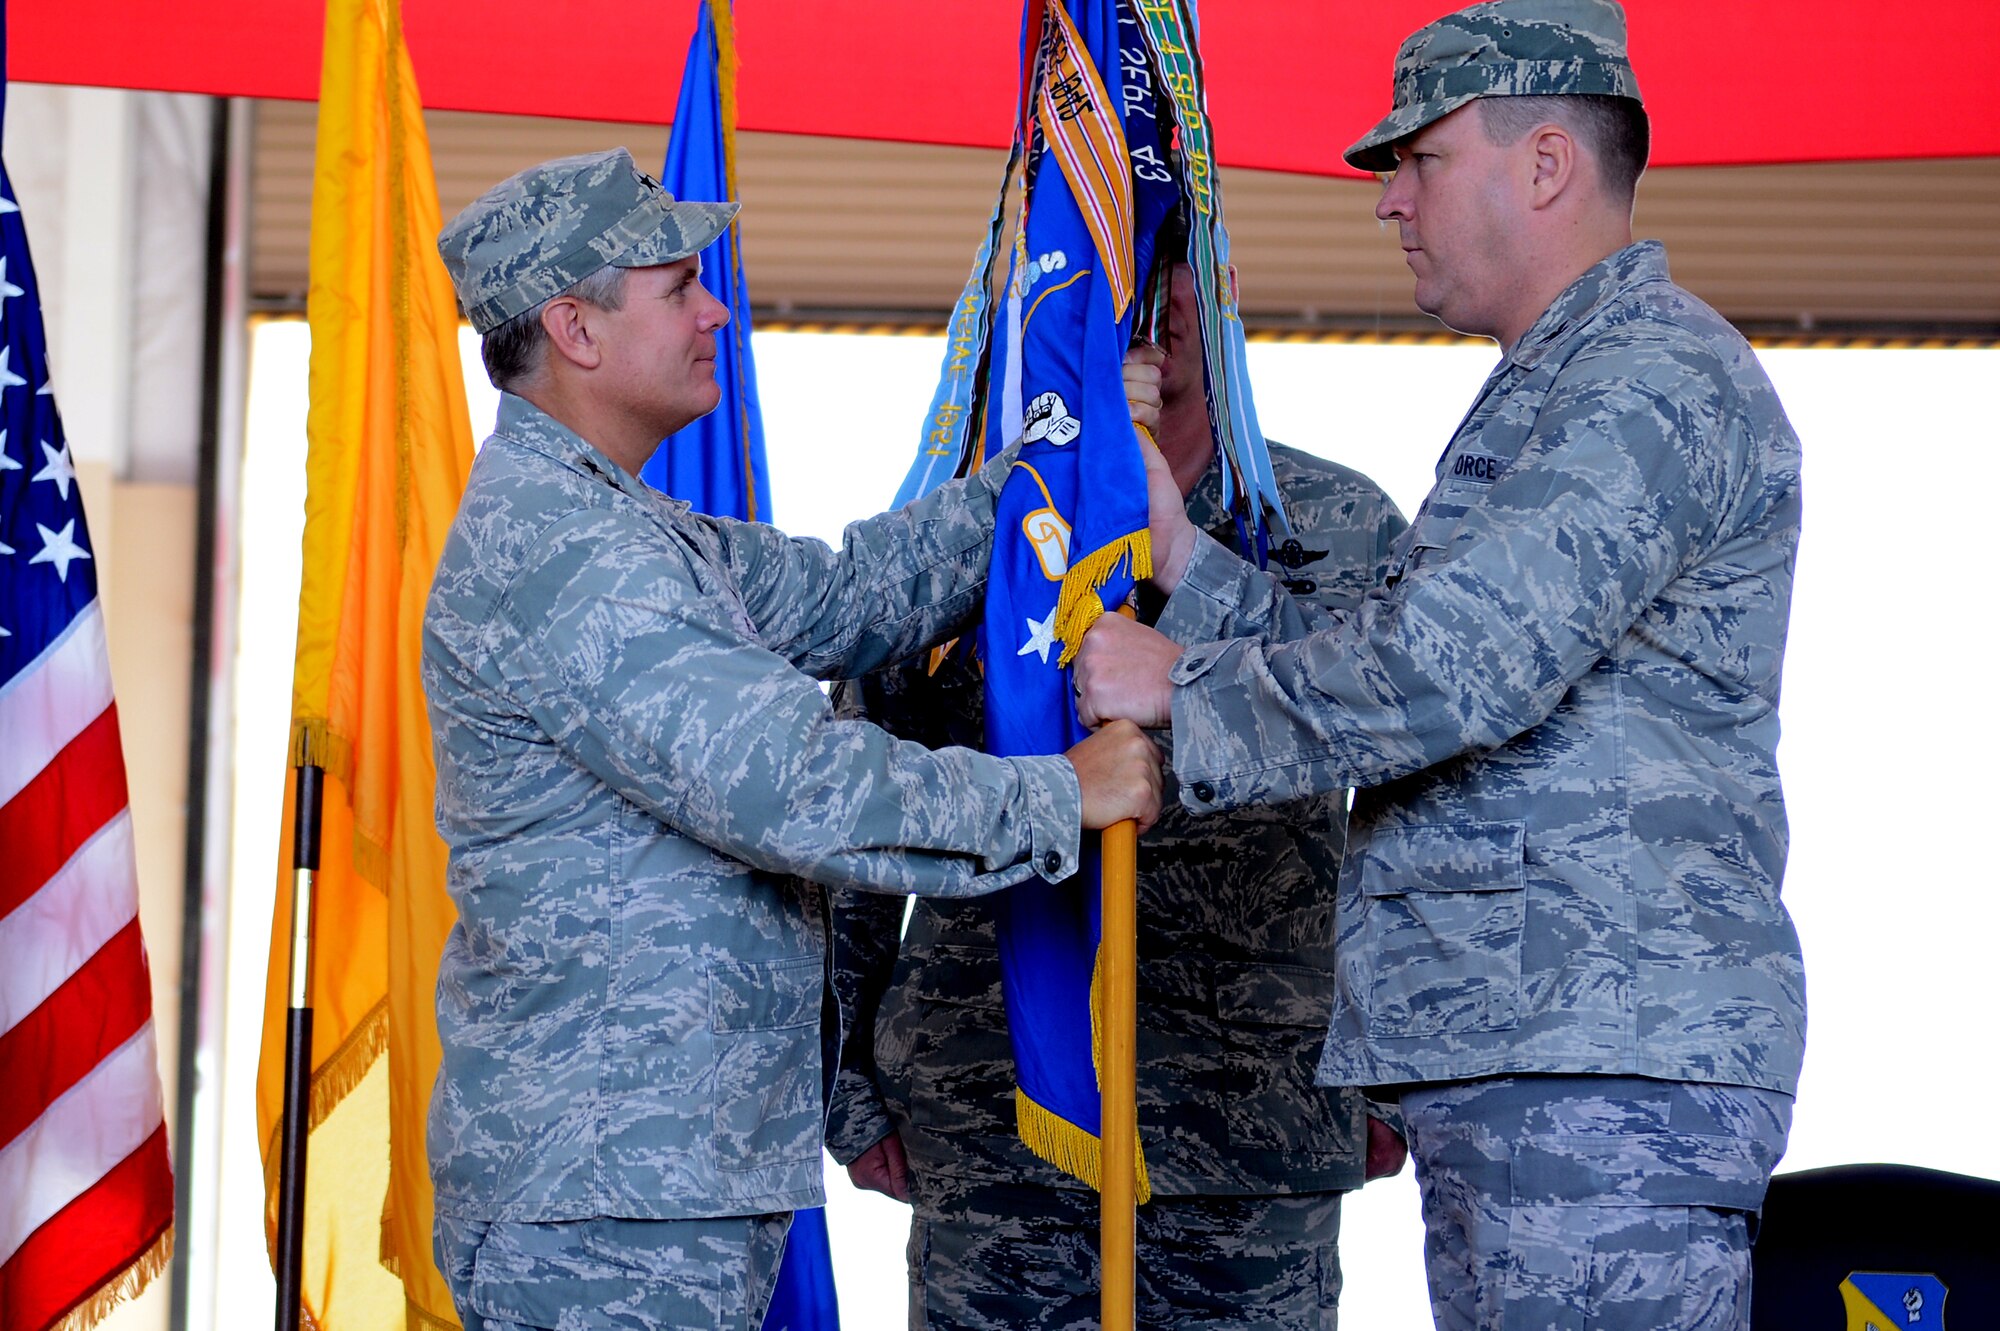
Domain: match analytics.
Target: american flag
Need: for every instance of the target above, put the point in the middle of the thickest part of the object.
(86, 1195)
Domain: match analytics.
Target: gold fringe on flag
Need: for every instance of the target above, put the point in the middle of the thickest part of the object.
(126, 1285)
(1061, 1142)
(722, 16)
(1078, 604)
(1068, 1147)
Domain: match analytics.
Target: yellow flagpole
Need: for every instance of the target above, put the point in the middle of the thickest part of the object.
(1118, 1078)
(1118, 1075)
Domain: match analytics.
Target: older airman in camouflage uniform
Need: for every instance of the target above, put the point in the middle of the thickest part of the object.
(1246, 1156)
(1560, 931)
(637, 773)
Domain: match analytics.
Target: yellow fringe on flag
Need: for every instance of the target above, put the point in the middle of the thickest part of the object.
(1078, 605)
(1068, 1147)
(1061, 1142)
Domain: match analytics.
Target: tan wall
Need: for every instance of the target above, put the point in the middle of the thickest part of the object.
(143, 541)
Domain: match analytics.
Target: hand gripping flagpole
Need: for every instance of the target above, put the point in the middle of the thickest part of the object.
(298, 1052)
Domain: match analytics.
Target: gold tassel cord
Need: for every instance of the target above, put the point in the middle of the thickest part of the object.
(314, 744)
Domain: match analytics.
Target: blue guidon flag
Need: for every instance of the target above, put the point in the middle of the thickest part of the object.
(1111, 146)
(1070, 534)
(717, 462)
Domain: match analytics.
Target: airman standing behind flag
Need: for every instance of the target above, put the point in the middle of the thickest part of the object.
(638, 773)
(1560, 934)
(1248, 1159)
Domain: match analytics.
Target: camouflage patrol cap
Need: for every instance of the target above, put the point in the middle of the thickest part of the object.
(1504, 48)
(549, 227)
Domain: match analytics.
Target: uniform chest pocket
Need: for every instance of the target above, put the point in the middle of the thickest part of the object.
(1427, 536)
(1443, 907)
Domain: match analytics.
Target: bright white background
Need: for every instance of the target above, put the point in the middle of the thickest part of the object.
(1889, 733)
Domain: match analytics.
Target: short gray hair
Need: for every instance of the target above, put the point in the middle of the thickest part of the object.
(514, 351)
(1614, 129)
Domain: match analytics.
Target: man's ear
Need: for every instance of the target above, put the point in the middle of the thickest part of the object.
(1556, 164)
(566, 320)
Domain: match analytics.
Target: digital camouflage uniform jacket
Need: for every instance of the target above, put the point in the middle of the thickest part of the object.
(636, 772)
(1563, 708)
(1235, 945)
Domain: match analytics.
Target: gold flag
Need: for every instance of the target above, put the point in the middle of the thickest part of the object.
(388, 447)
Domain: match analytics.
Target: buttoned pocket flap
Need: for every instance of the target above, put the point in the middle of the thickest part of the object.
(1273, 995)
(764, 995)
(964, 976)
(1442, 908)
(1459, 857)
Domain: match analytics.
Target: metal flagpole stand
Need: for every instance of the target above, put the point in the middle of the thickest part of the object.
(298, 1052)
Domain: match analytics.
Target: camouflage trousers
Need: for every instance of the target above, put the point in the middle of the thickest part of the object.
(1005, 1257)
(612, 1275)
(1553, 1203)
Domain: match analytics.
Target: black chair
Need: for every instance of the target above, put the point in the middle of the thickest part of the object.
(1822, 1225)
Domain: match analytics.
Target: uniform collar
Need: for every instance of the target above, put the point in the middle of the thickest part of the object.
(1204, 502)
(1582, 300)
(528, 425)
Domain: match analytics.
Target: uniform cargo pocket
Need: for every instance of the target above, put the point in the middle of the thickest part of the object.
(1274, 995)
(941, 1042)
(1275, 1021)
(949, 973)
(765, 1017)
(1443, 909)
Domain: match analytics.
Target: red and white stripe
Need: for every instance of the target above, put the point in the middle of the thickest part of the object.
(85, 1188)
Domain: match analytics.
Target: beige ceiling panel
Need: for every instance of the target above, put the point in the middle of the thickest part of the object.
(849, 229)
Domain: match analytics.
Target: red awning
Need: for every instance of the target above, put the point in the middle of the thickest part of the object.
(1728, 81)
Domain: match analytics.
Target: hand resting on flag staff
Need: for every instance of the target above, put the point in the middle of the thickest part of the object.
(1121, 674)
(1121, 670)
(1118, 770)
